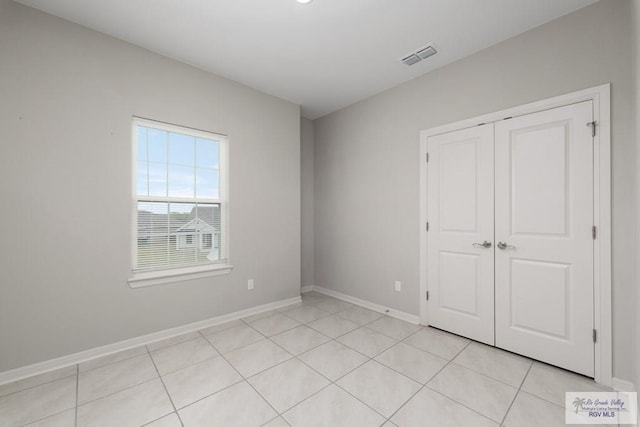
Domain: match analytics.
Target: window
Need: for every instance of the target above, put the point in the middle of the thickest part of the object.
(207, 241)
(179, 218)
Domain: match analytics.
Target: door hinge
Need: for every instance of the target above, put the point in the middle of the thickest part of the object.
(593, 128)
(427, 226)
(594, 232)
(427, 295)
(595, 335)
(427, 156)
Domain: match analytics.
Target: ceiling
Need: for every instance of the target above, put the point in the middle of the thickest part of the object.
(324, 55)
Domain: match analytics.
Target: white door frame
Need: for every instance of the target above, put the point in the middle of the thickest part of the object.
(601, 97)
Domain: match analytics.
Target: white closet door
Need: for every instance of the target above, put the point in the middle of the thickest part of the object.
(544, 214)
(460, 212)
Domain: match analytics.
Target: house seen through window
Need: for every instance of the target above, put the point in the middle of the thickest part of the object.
(179, 217)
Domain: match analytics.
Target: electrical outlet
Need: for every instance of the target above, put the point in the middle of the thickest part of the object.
(250, 284)
(398, 286)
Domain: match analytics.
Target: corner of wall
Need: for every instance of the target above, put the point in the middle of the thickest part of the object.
(636, 64)
(306, 201)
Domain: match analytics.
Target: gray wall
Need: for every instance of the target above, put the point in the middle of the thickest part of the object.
(367, 166)
(636, 39)
(68, 95)
(306, 185)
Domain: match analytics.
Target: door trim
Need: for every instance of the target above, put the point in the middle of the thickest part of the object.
(601, 97)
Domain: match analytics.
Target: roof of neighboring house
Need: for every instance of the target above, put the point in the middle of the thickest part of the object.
(207, 212)
(194, 226)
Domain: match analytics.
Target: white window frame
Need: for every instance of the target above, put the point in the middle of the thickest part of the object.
(177, 274)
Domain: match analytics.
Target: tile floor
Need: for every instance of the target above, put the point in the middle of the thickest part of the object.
(323, 362)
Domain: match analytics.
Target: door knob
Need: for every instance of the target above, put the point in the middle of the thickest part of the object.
(503, 246)
(486, 244)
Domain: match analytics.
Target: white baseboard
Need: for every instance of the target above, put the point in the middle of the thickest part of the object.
(83, 356)
(622, 385)
(306, 289)
(366, 304)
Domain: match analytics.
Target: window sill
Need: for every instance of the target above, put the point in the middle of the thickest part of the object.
(163, 277)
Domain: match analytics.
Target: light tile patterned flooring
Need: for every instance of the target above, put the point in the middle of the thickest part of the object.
(323, 362)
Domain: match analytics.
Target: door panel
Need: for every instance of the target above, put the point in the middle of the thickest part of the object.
(458, 190)
(459, 282)
(539, 199)
(544, 213)
(460, 211)
(552, 285)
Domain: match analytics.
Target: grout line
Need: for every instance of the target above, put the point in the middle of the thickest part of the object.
(275, 418)
(443, 395)
(486, 375)
(434, 354)
(118, 391)
(158, 419)
(225, 328)
(341, 376)
(243, 378)
(115, 361)
(282, 332)
(361, 401)
(415, 332)
(524, 358)
(389, 336)
(77, 389)
(270, 367)
(302, 306)
(236, 348)
(209, 395)
(172, 344)
(425, 384)
(516, 395)
(388, 419)
(464, 406)
(455, 401)
(544, 399)
(319, 373)
(165, 386)
(528, 393)
(98, 398)
(331, 382)
(310, 396)
(36, 385)
(307, 350)
(189, 365)
(56, 413)
(368, 359)
(40, 420)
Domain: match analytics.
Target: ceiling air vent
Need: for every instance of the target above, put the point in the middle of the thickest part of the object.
(411, 59)
(426, 52)
(418, 56)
